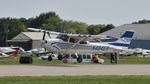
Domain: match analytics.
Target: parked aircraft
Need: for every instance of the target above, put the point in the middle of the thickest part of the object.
(81, 44)
(10, 51)
(3, 55)
(142, 52)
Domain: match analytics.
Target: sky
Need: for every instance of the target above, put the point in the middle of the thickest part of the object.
(116, 12)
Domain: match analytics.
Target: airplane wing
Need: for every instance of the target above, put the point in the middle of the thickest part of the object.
(40, 30)
(70, 35)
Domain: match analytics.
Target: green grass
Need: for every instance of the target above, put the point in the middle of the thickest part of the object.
(36, 61)
(76, 80)
(129, 60)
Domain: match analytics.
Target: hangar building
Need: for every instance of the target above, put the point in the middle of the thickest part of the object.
(28, 40)
(141, 37)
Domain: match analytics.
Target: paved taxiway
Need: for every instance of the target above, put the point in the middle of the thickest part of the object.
(58, 70)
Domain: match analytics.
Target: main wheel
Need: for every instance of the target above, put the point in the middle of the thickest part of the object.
(60, 57)
(50, 58)
(79, 59)
(25, 60)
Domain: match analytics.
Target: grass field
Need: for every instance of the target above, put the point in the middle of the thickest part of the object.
(76, 80)
(36, 60)
(122, 60)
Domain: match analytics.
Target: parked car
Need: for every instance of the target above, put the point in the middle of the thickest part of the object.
(49, 56)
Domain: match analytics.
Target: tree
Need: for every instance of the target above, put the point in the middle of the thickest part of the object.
(24, 21)
(15, 27)
(144, 21)
(107, 27)
(48, 21)
(3, 35)
(96, 29)
(75, 27)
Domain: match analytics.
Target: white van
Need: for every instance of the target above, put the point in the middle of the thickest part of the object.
(78, 58)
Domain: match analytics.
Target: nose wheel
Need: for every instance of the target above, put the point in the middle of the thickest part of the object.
(79, 59)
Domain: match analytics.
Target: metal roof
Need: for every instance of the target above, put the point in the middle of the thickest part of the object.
(141, 31)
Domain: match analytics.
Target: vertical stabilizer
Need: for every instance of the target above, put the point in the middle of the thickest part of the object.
(124, 40)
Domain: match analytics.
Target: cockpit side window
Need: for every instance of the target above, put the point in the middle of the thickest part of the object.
(83, 42)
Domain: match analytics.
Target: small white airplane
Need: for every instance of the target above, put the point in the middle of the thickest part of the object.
(142, 52)
(76, 43)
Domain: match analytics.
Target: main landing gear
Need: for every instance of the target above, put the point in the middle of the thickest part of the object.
(114, 58)
(25, 60)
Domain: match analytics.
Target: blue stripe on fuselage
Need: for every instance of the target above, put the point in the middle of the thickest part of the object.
(120, 44)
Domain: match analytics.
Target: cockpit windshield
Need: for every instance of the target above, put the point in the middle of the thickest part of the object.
(63, 37)
(66, 38)
(72, 39)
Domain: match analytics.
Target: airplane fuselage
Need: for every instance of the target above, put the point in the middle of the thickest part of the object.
(60, 46)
